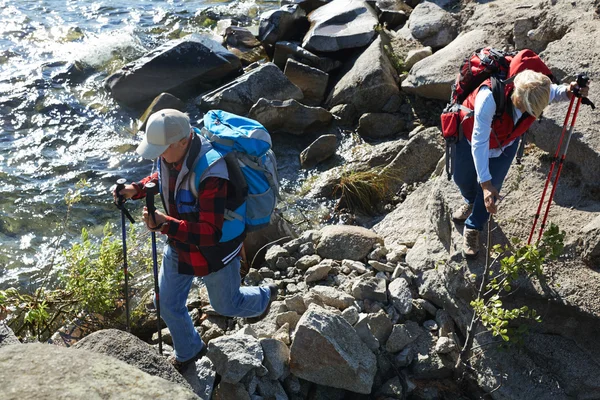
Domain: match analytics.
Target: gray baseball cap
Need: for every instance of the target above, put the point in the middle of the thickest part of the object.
(164, 128)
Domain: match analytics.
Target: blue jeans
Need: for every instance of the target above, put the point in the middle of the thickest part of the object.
(224, 292)
(465, 177)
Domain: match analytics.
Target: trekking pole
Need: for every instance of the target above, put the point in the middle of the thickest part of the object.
(556, 155)
(120, 203)
(151, 191)
(582, 81)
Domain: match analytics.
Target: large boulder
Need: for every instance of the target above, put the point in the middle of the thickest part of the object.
(341, 24)
(341, 242)
(326, 350)
(432, 25)
(280, 24)
(312, 81)
(289, 116)
(128, 348)
(369, 84)
(379, 125)
(418, 159)
(53, 372)
(238, 96)
(433, 76)
(181, 68)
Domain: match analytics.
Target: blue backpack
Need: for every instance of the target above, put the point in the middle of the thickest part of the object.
(245, 143)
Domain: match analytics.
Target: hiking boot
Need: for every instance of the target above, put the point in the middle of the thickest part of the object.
(181, 366)
(274, 290)
(470, 243)
(462, 213)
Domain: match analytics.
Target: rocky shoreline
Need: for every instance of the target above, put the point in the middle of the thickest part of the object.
(379, 310)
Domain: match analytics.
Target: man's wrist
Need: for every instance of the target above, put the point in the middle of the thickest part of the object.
(486, 184)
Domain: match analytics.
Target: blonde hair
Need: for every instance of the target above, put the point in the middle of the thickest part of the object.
(532, 91)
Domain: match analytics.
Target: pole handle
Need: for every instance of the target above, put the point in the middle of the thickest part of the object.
(120, 203)
(582, 81)
(151, 190)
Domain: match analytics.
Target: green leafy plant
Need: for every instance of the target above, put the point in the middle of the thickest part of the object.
(512, 266)
(90, 285)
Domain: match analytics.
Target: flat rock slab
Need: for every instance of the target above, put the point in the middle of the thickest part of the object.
(312, 81)
(53, 372)
(128, 348)
(239, 95)
(341, 24)
(179, 67)
(280, 24)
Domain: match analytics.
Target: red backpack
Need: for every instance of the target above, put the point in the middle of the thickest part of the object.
(481, 65)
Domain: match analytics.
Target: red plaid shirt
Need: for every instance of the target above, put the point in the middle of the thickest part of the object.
(212, 197)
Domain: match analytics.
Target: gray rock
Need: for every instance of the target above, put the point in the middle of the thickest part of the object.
(229, 391)
(355, 266)
(404, 357)
(379, 125)
(318, 272)
(241, 42)
(426, 305)
(368, 85)
(128, 348)
(401, 296)
(320, 150)
(283, 334)
(430, 325)
(381, 267)
(288, 50)
(392, 388)
(234, 356)
(445, 345)
(381, 326)
(289, 317)
(307, 5)
(202, 377)
(289, 116)
(7, 336)
(370, 288)
(160, 102)
(342, 360)
(53, 372)
(295, 303)
(277, 356)
(591, 242)
(351, 315)
(428, 364)
(271, 389)
(181, 68)
(306, 249)
(277, 25)
(365, 334)
(345, 114)
(432, 77)
(312, 81)
(421, 153)
(445, 322)
(305, 262)
(432, 25)
(238, 96)
(333, 297)
(340, 242)
(414, 56)
(274, 253)
(340, 25)
(402, 335)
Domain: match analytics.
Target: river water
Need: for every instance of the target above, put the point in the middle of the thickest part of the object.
(56, 131)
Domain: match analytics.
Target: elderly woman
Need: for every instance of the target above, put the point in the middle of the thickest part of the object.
(489, 145)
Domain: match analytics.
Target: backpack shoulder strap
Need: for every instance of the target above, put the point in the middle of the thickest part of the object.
(498, 87)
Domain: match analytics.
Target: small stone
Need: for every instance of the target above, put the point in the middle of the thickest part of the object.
(283, 334)
(306, 249)
(355, 266)
(305, 262)
(379, 266)
(295, 303)
(430, 325)
(445, 345)
(427, 306)
(350, 314)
